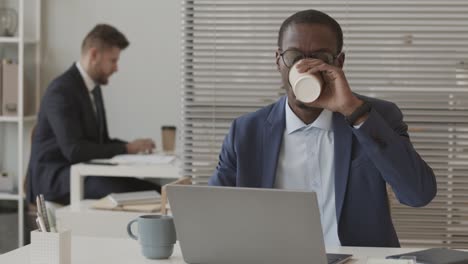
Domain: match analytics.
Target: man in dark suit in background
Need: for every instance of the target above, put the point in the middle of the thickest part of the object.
(72, 125)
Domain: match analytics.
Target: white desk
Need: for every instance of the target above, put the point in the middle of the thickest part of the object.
(89, 250)
(79, 171)
(96, 223)
(83, 220)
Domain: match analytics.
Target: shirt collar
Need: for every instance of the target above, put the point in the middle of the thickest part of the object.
(90, 84)
(294, 123)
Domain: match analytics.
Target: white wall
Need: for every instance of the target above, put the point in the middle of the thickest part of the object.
(145, 93)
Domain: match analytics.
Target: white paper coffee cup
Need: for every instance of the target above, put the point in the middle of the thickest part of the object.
(306, 87)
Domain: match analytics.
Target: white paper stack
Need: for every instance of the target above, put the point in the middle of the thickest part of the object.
(142, 159)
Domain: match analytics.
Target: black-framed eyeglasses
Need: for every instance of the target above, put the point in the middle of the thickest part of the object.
(291, 56)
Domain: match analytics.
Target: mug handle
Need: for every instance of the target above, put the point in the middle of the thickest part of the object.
(129, 229)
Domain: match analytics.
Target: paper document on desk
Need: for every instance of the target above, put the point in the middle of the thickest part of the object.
(139, 197)
(142, 159)
(106, 203)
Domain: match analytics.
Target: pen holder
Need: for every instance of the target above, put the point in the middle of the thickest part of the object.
(50, 247)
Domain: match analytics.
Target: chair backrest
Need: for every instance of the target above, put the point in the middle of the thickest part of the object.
(26, 172)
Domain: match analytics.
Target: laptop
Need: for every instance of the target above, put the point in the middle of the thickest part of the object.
(247, 225)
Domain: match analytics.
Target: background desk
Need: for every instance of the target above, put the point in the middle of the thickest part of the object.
(79, 171)
(89, 250)
(83, 220)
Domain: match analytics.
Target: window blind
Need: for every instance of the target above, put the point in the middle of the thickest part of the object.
(411, 52)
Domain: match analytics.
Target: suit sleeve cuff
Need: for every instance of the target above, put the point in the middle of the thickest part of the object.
(374, 131)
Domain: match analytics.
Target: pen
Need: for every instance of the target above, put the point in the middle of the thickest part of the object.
(38, 205)
(51, 221)
(41, 222)
(38, 224)
(44, 212)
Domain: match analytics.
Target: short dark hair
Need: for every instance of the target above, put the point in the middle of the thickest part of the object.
(104, 36)
(312, 17)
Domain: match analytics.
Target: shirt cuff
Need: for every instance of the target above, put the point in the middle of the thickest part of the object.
(358, 126)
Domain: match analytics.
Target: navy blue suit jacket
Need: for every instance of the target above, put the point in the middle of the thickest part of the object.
(66, 133)
(367, 158)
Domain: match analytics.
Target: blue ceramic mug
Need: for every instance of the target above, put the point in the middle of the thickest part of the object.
(156, 234)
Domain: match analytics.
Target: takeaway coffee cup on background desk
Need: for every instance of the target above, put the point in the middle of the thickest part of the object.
(156, 234)
(306, 87)
(168, 138)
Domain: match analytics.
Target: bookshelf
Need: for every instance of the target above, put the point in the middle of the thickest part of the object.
(24, 50)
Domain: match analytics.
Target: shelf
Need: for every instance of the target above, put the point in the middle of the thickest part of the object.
(8, 196)
(30, 118)
(14, 119)
(9, 39)
(17, 40)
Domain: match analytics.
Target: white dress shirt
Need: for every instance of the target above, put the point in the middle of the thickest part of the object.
(306, 162)
(90, 84)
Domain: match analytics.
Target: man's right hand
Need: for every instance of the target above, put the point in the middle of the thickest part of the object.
(145, 145)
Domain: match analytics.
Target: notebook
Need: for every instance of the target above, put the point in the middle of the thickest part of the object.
(106, 204)
(142, 197)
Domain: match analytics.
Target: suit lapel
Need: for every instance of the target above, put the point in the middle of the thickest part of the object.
(87, 104)
(343, 143)
(272, 139)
